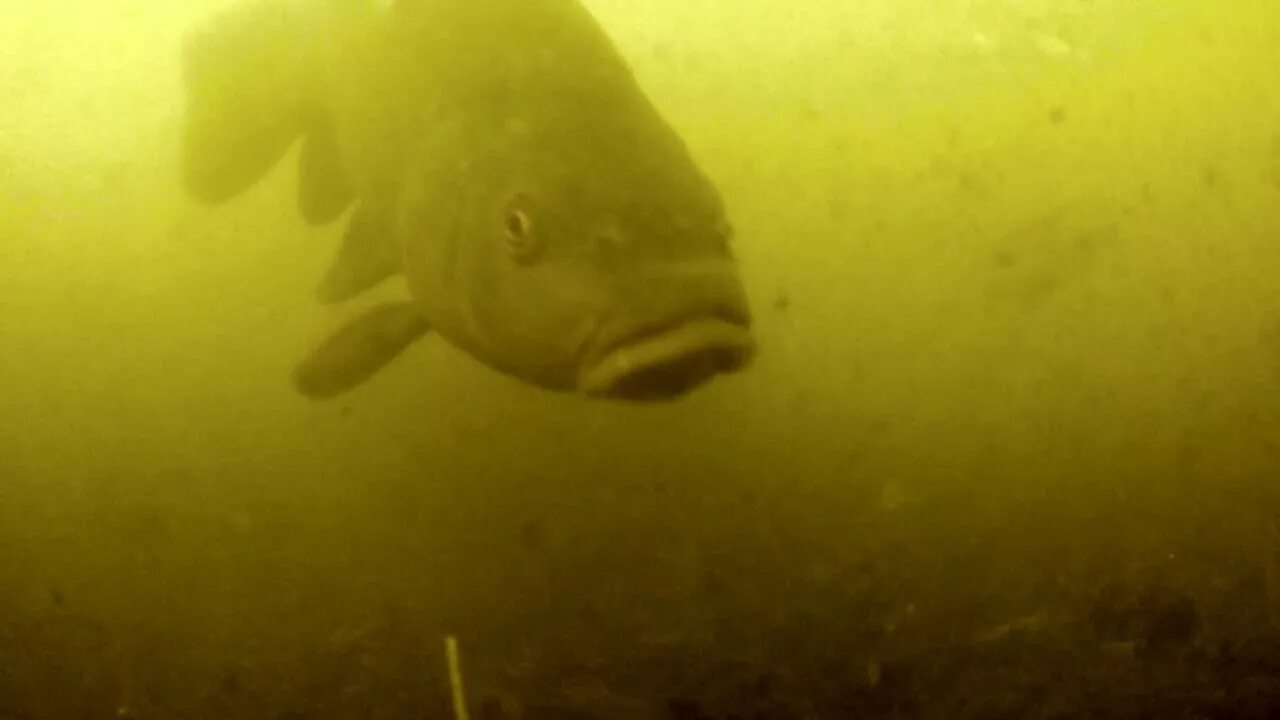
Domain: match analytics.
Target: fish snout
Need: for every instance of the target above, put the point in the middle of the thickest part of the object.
(694, 336)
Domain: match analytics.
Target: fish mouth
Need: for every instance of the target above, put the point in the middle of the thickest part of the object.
(669, 362)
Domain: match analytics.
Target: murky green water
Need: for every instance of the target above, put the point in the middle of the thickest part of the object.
(1010, 448)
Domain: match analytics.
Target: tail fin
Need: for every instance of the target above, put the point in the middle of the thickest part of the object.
(247, 89)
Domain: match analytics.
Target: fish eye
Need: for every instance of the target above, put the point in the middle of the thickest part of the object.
(518, 230)
(518, 224)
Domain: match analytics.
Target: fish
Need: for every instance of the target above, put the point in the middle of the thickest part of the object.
(502, 158)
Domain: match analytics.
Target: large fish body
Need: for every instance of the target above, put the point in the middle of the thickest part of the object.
(498, 153)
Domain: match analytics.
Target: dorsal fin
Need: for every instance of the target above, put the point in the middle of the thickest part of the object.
(246, 82)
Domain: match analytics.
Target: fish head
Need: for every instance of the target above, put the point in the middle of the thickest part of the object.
(600, 263)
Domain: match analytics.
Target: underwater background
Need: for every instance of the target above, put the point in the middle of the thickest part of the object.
(1011, 446)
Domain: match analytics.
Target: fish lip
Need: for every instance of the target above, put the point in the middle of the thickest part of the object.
(694, 350)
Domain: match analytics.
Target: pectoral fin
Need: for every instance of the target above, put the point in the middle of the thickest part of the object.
(367, 256)
(359, 350)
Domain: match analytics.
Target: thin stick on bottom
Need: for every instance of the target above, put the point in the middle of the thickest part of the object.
(455, 678)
